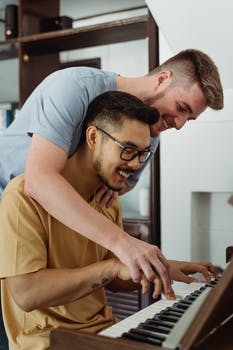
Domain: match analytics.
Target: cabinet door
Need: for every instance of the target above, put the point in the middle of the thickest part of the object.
(34, 68)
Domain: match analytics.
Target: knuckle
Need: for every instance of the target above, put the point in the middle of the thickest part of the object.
(151, 276)
(163, 269)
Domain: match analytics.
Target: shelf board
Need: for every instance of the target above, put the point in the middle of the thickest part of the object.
(133, 28)
(88, 36)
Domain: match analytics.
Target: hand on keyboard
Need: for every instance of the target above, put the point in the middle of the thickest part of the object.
(143, 258)
(123, 274)
(180, 271)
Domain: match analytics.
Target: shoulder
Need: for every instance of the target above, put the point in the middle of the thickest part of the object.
(15, 185)
(78, 74)
(15, 199)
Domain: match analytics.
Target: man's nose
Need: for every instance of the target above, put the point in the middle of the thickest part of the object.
(134, 163)
(180, 120)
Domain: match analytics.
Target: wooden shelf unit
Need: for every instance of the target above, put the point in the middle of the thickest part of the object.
(133, 28)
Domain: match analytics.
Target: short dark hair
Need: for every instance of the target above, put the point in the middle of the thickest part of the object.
(194, 66)
(109, 109)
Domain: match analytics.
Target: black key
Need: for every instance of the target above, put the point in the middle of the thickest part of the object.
(176, 310)
(159, 323)
(196, 293)
(168, 313)
(190, 298)
(214, 282)
(194, 297)
(202, 288)
(155, 328)
(210, 285)
(166, 318)
(187, 302)
(138, 337)
(147, 333)
(181, 306)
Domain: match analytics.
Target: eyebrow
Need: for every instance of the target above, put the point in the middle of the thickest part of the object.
(187, 107)
(131, 144)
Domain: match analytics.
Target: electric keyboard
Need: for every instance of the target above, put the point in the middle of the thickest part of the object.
(164, 322)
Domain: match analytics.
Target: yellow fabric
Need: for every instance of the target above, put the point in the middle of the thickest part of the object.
(31, 240)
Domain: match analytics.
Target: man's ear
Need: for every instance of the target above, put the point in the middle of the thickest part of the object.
(91, 136)
(163, 78)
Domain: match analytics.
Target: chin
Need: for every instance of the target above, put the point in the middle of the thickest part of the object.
(115, 187)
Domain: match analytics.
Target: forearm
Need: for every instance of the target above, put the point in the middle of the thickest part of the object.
(64, 203)
(45, 183)
(53, 287)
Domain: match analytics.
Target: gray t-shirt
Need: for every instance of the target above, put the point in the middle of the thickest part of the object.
(55, 110)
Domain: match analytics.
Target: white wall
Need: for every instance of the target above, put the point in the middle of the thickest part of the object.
(197, 159)
(196, 162)
(205, 25)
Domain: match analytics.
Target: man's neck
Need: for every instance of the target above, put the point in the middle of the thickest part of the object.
(141, 87)
(80, 174)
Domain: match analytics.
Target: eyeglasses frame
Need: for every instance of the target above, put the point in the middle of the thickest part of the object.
(138, 154)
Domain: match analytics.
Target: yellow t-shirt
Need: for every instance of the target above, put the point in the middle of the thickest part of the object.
(31, 240)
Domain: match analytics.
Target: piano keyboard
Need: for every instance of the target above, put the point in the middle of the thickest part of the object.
(164, 322)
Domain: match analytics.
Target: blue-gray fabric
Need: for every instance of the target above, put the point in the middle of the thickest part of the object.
(55, 110)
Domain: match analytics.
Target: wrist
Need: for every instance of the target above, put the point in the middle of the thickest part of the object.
(111, 268)
(118, 241)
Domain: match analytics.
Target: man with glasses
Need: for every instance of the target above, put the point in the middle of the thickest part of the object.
(53, 276)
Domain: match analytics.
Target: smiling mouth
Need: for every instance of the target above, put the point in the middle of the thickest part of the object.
(124, 173)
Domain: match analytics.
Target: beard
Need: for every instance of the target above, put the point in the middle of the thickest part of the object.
(98, 166)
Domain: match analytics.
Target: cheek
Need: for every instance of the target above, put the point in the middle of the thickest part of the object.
(154, 129)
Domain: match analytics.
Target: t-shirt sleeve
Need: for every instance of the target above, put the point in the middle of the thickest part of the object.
(133, 179)
(59, 104)
(23, 238)
(57, 118)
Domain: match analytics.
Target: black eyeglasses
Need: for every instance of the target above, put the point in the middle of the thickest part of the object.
(129, 152)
